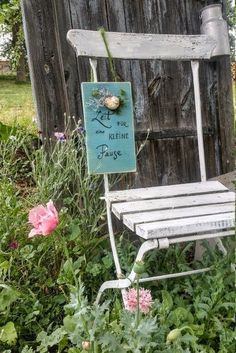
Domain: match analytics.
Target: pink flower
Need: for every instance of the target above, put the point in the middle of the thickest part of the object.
(145, 300)
(14, 245)
(43, 219)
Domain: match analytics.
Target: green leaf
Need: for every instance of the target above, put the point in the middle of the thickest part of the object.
(75, 231)
(107, 261)
(49, 341)
(8, 334)
(6, 132)
(198, 329)
(7, 297)
(166, 305)
(27, 349)
(110, 343)
(180, 316)
(74, 350)
(69, 323)
(167, 301)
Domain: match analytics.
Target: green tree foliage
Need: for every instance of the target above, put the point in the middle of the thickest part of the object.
(231, 19)
(11, 19)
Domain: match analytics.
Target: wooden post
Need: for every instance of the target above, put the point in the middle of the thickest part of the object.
(45, 63)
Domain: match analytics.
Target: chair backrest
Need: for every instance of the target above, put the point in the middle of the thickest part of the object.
(151, 46)
(141, 46)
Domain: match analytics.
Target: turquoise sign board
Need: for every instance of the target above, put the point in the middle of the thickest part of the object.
(109, 126)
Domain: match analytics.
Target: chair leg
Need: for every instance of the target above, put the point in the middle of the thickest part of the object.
(114, 284)
(220, 246)
(145, 247)
(199, 249)
(126, 282)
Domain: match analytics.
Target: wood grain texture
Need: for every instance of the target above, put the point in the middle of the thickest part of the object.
(70, 70)
(141, 46)
(186, 226)
(122, 208)
(132, 220)
(46, 64)
(162, 90)
(165, 191)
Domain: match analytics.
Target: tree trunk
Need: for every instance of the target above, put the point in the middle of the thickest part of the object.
(21, 67)
(21, 70)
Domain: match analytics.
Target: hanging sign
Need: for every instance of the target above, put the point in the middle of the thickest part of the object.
(108, 115)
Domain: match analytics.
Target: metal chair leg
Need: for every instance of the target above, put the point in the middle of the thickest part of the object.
(220, 246)
(126, 282)
(114, 284)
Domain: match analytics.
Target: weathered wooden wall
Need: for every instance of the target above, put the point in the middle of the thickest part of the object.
(163, 91)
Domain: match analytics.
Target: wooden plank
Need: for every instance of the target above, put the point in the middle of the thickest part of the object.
(227, 180)
(226, 114)
(163, 94)
(46, 64)
(63, 13)
(133, 219)
(186, 226)
(141, 46)
(171, 133)
(119, 209)
(165, 191)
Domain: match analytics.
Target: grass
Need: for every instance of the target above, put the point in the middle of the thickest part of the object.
(16, 103)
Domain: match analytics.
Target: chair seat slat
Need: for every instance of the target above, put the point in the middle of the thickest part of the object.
(165, 191)
(192, 225)
(119, 209)
(133, 219)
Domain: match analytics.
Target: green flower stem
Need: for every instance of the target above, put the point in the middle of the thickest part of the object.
(192, 333)
(110, 59)
(137, 319)
(187, 328)
(96, 347)
(66, 252)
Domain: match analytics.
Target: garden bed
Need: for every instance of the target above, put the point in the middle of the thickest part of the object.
(49, 282)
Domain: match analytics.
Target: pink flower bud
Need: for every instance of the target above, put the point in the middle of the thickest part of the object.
(86, 345)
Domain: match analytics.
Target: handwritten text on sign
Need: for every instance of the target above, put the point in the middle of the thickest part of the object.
(108, 114)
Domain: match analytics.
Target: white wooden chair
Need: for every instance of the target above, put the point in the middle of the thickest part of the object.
(162, 215)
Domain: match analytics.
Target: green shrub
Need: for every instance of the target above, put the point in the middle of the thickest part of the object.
(44, 307)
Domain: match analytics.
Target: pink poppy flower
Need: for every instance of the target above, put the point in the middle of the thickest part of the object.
(145, 300)
(43, 219)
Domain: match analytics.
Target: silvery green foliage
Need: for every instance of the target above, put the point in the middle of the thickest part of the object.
(111, 332)
(84, 321)
(27, 349)
(47, 341)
